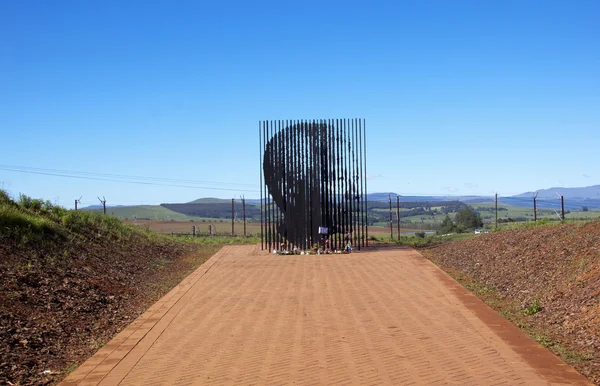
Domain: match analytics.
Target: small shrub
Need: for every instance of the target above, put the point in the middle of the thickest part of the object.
(534, 308)
(420, 235)
(4, 197)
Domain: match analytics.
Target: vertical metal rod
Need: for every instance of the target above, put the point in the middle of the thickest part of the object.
(265, 155)
(346, 182)
(315, 207)
(356, 210)
(534, 209)
(311, 164)
(305, 172)
(334, 179)
(244, 214)
(296, 178)
(362, 192)
(282, 184)
(338, 144)
(232, 217)
(323, 178)
(277, 183)
(269, 199)
(288, 183)
(562, 205)
(291, 173)
(398, 213)
(298, 175)
(366, 177)
(331, 181)
(303, 142)
(277, 186)
(391, 220)
(260, 156)
(351, 181)
(343, 178)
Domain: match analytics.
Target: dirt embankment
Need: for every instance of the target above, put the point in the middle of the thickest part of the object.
(552, 273)
(63, 298)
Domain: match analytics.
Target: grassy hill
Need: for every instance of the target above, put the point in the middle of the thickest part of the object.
(506, 213)
(427, 215)
(72, 279)
(149, 212)
(210, 200)
(544, 279)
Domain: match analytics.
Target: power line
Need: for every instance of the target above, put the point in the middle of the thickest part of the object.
(120, 176)
(126, 181)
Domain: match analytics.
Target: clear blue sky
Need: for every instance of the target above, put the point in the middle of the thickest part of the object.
(460, 97)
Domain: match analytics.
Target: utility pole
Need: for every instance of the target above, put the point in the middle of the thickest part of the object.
(77, 202)
(398, 214)
(244, 213)
(391, 220)
(103, 202)
(496, 210)
(232, 217)
(535, 208)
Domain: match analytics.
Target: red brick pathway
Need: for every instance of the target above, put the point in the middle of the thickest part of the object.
(378, 317)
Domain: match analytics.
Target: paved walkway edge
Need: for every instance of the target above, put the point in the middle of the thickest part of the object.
(541, 359)
(122, 344)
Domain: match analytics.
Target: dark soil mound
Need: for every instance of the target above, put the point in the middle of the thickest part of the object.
(70, 281)
(552, 271)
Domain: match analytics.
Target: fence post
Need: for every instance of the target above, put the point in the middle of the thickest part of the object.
(496, 210)
(398, 213)
(244, 212)
(232, 216)
(194, 231)
(391, 220)
(562, 205)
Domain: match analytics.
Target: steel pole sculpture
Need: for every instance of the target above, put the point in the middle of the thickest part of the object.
(313, 183)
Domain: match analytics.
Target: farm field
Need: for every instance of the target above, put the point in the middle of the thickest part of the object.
(224, 228)
(153, 212)
(163, 220)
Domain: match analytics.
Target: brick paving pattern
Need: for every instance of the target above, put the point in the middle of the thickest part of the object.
(382, 317)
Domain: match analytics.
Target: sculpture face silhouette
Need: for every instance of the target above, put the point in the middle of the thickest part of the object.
(312, 172)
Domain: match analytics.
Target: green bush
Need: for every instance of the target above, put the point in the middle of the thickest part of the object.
(447, 226)
(4, 197)
(534, 308)
(20, 226)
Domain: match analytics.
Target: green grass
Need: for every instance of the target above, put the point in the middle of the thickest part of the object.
(416, 241)
(152, 212)
(32, 221)
(588, 215)
(534, 308)
(218, 240)
(522, 318)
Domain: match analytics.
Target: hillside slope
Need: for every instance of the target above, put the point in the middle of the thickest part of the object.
(71, 280)
(550, 272)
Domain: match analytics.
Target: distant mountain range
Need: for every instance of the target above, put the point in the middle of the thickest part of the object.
(585, 193)
(575, 198)
(91, 207)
